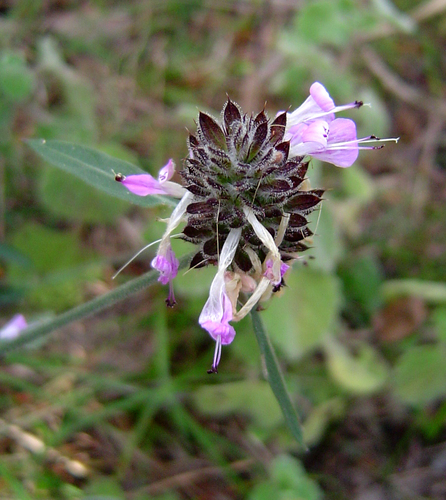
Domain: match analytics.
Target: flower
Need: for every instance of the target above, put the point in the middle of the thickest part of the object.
(313, 130)
(145, 184)
(217, 312)
(245, 200)
(167, 264)
(13, 328)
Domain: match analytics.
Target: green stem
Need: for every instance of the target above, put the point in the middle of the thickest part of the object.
(276, 380)
(94, 306)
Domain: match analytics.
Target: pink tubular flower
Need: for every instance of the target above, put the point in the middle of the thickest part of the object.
(145, 184)
(312, 129)
(13, 328)
(217, 312)
(167, 264)
(318, 105)
(333, 142)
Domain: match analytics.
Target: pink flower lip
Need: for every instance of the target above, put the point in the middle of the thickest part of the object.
(143, 185)
(167, 264)
(13, 328)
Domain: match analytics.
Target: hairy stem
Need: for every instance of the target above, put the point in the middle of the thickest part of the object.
(94, 306)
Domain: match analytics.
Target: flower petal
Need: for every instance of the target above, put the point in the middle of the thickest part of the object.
(309, 138)
(217, 312)
(318, 104)
(143, 185)
(13, 328)
(321, 97)
(219, 327)
(167, 264)
(342, 144)
(166, 173)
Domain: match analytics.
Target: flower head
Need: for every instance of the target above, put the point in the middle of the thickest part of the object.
(246, 198)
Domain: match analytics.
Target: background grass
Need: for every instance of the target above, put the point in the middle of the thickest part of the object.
(120, 406)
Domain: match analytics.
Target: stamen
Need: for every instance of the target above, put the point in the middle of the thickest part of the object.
(282, 228)
(170, 301)
(118, 176)
(217, 355)
(355, 143)
(134, 257)
(318, 218)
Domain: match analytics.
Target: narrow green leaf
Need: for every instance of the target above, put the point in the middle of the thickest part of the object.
(276, 381)
(40, 330)
(95, 168)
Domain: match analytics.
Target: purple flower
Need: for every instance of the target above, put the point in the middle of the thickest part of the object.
(145, 184)
(13, 328)
(318, 105)
(333, 142)
(217, 312)
(312, 129)
(245, 200)
(167, 264)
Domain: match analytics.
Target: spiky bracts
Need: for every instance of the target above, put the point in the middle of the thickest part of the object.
(246, 199)
(240, 162)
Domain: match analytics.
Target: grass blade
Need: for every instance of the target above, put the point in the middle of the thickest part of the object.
(276, 380)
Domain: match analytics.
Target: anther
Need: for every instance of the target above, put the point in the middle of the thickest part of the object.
(119, 177)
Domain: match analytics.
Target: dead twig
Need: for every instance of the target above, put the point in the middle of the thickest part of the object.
(187, 478)
(36, 446)
(399, 87)
(418, 14)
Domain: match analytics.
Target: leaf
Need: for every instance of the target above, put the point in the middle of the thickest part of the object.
(287, 480)
(291, 477)
(16, 79)
(81, 202)
(326, 21)
(320, 417)
(327, 249)
(419, 376)
(304, 314)
(431, 291)
(56, 267)
(247, 396)
(362, 279)
(276, 380)
(364, 373)
(358, 184)
(95, 168)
